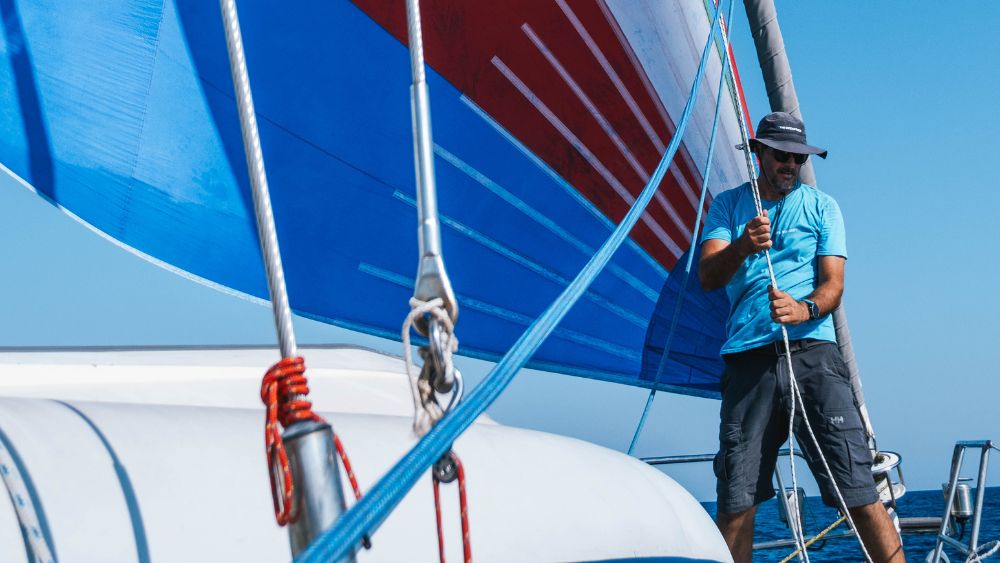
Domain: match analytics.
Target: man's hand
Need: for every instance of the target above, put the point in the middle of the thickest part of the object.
(756, 236)
(785, 309)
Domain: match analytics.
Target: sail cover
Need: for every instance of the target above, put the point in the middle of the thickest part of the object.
(548, 115)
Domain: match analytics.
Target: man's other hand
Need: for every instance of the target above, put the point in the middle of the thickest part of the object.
(785, 309)
(756, 236)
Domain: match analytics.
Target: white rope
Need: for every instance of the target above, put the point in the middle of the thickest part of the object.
(796, 524)
(978, 555)
(795, 394)
(426, 409)
(796, 399)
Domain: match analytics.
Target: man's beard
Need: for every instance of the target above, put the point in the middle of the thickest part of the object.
(783, 188)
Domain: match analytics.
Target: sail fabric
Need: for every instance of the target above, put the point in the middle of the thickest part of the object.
(548, 118)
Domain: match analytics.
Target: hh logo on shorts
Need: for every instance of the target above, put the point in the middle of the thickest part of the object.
(836, 420)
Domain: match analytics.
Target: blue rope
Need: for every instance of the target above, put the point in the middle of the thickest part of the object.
(694, 244)
(374, 507)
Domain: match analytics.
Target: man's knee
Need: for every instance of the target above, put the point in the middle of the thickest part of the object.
(868, 511)
(735, 519)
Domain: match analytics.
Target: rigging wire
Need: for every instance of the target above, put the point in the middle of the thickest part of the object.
(368, 514)
(433, 307)
(284, 388)
(691, 250)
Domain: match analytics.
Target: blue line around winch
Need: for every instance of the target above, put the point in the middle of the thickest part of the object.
(374, 507)
(694, 244)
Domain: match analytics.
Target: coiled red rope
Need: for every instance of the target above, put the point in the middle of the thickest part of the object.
(284, 391)
(464, 506)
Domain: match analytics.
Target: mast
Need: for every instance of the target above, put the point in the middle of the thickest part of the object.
(781, 96)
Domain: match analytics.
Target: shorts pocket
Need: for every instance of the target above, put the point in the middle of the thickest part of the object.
(846, 449)
(860, 457)
(726, 463)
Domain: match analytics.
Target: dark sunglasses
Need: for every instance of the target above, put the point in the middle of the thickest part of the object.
(782, 156)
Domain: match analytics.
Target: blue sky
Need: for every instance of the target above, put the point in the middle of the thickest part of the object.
(904, 99)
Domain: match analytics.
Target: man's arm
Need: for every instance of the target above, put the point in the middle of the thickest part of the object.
(786, 310)
(720, 259)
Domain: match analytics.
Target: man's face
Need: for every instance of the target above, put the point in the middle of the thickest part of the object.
(780, 168)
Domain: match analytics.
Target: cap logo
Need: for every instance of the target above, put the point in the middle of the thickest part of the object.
(786, 128)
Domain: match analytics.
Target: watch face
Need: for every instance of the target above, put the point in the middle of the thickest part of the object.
(813, 310)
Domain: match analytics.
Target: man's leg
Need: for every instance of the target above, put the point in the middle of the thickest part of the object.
(826, 391)
(748, 447)
(737, 529)
(876, 530)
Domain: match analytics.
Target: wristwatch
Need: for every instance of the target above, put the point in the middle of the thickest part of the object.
(813, 309)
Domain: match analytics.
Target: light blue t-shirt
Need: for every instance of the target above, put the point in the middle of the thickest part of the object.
(807, 223)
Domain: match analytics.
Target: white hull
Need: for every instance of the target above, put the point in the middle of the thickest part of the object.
(195, 463)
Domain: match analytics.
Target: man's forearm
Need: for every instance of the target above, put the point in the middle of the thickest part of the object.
(716, 269)
(827, 296)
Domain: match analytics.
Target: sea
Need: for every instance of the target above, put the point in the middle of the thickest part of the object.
(912, 504)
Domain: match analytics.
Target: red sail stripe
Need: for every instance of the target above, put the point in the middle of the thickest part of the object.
(462, 38)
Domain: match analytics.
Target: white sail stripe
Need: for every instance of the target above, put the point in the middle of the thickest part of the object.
(643, 77)
(527, 263)
(672, 213)
(608, 129)
(685, 186)
(561, 182)
(585, 152)
(647, 127)
(507, 314)
(541, 219)
(582, 96)
(616, 139)
(689, 192)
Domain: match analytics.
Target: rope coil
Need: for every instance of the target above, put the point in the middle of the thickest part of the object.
(984, 551)
(283, 391)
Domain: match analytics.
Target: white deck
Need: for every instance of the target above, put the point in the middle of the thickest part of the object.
(342, 379)
(186, 426)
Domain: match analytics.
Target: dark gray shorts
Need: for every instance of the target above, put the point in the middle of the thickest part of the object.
(755, 414)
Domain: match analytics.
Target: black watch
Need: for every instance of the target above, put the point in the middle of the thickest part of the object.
(813, 309)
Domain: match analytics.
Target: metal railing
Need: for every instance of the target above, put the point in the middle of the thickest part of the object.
(944, 535)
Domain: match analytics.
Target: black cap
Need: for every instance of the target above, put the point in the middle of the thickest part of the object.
(785, 132)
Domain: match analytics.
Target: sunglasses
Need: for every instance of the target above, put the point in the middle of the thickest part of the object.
(782, 156)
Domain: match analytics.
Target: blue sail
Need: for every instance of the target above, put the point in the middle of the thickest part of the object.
(548, 117)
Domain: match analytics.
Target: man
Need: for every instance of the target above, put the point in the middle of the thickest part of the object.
(804, 232)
